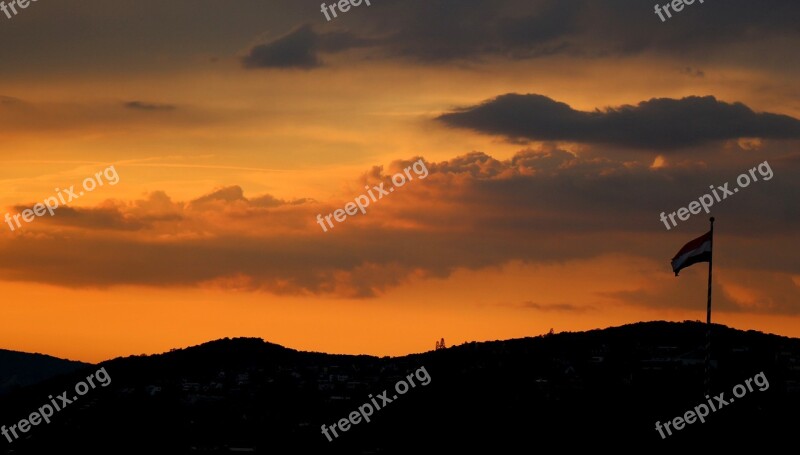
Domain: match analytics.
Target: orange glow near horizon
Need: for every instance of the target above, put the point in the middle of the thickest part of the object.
(91, 326)
(211, 230)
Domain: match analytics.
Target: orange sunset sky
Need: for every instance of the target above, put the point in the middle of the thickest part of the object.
(554, 132)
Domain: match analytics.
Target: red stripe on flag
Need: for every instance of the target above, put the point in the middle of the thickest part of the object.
(694, 244)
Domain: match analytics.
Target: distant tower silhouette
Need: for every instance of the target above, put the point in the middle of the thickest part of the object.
(440, 345)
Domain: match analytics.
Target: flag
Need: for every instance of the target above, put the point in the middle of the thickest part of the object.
(698, 250)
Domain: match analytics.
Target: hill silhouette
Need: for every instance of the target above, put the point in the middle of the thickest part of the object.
(19, 369)
(601, 389)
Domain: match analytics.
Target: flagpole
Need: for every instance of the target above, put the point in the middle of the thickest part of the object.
(708, 313)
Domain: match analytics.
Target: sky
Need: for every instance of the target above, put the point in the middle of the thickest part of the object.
(553, 134)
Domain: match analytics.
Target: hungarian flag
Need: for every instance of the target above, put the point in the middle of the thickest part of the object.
(698, 250)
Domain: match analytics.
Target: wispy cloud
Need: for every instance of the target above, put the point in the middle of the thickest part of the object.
(144, 106)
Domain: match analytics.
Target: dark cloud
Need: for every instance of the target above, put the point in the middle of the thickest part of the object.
(337, 41)
(143, 106)
(269, 200)
(437, 30)
(442, 31)
(660, 123)
(226, 194)
(300, 48)
(98, 35)
(231, 194)
(551, 21)
(632, 27)
(297, 49)
(542, 206)
(429, 31)
(100, 218)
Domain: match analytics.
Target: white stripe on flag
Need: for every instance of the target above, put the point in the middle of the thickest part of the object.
(704, 248)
